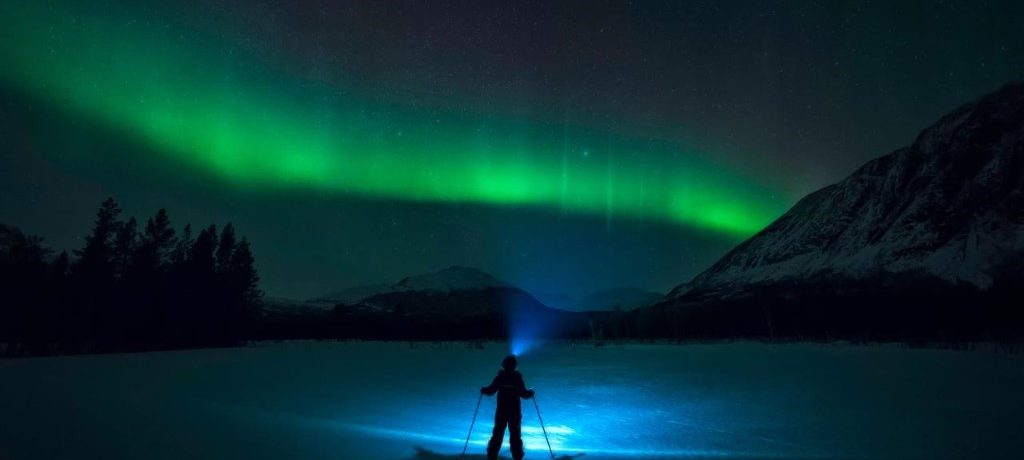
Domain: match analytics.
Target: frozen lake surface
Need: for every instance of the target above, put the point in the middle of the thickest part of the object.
(391, 401)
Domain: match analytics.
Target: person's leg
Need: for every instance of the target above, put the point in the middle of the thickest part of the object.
(515, 436)
(497, 435)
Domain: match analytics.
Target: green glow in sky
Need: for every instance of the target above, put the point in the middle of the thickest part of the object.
(216, 107)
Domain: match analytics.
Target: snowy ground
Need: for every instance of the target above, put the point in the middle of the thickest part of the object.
(390, 401)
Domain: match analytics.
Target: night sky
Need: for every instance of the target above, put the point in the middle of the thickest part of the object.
(563, 146)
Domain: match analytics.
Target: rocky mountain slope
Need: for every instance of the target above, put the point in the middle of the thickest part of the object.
(949, 206)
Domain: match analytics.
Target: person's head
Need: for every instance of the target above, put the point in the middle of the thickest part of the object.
(509, 363)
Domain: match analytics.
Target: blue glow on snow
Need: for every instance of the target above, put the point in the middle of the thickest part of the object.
(533, 442)
(519, 346)
(398, 401)
(527, 327)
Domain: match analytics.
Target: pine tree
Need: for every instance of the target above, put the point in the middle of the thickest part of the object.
(125, 244)
(60, 265)
(95, 260)
(57, 301)
(203, 310)
(243, 273)
(243, 287)
(157, 241)
(126, 290)
(93, 279)
(183, 247)
(225, 248)
(204, 250)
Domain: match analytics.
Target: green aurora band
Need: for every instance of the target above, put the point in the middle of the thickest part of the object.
(254, 125)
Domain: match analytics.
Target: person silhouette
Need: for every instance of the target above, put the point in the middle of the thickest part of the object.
(510, 388)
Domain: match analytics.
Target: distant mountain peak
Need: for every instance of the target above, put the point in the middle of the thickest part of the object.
(454, 278)
(950, 205)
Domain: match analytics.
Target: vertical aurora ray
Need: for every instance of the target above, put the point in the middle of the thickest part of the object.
(219, 109)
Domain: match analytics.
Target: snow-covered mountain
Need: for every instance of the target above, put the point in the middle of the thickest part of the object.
(455, 278)
(454, 291)
(453, 303)
(950, 206)
(457, 302)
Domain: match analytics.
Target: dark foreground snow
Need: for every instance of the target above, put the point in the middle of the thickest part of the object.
(391, 401)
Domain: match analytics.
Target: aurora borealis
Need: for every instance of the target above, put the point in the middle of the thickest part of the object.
(667, 129)
(159, 90)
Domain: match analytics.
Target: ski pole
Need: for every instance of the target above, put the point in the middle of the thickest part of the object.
(545, 431)
(478, 399)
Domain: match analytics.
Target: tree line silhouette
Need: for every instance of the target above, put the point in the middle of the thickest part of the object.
(127, 289)
(131, 289)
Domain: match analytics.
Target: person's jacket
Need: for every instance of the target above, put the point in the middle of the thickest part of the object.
(510, 387)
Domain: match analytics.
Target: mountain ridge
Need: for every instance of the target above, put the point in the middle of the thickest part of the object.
(951, 205)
